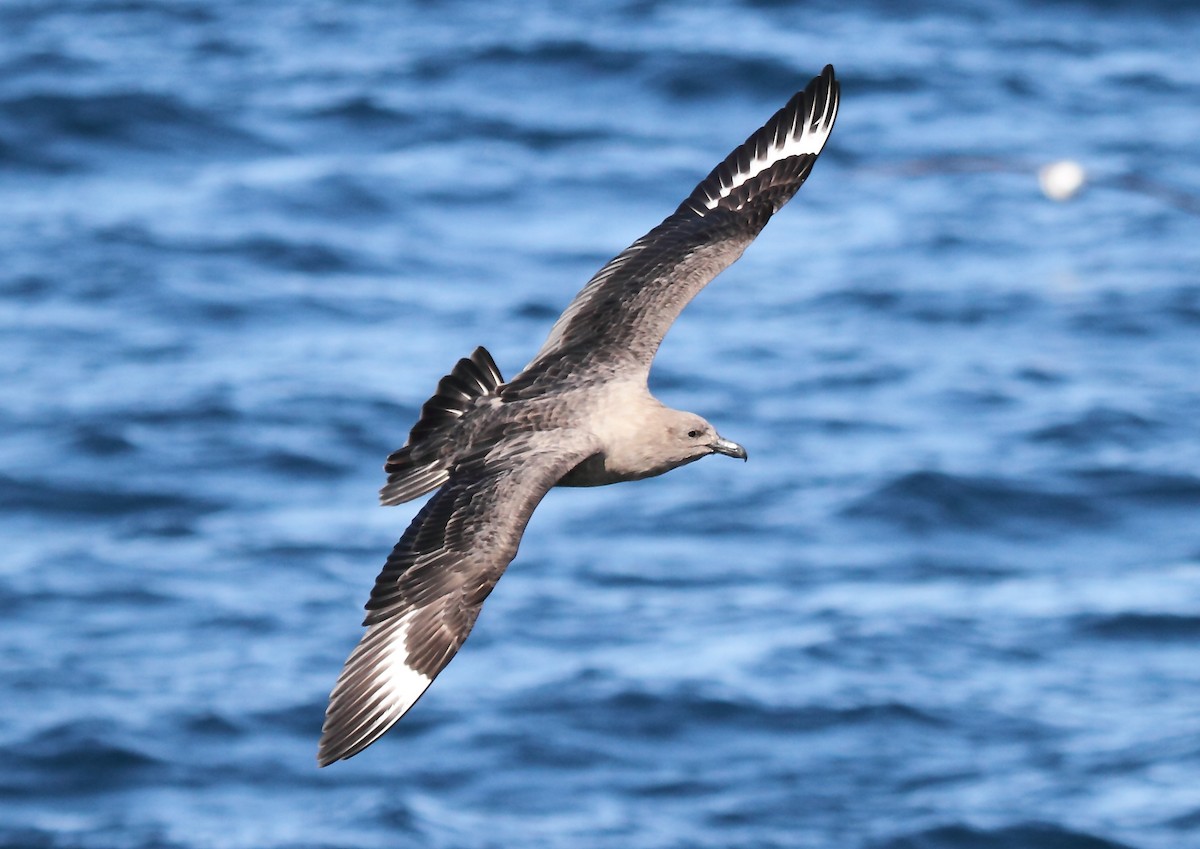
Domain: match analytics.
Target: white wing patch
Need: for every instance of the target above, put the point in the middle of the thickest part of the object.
(375, 689)
(807, 135)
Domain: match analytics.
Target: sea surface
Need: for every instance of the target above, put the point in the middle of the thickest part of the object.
(951, 602)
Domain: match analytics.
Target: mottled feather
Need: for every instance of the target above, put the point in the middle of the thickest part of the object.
(579, 415)
(619, 319)
(428, 595)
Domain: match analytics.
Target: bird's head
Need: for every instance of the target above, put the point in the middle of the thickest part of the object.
(689, 437)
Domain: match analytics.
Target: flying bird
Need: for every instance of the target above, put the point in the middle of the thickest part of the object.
(580, 414)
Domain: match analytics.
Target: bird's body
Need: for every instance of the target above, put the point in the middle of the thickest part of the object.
(580, 414)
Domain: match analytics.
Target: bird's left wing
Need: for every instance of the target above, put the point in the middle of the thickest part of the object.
(429, 593)
(618, 320)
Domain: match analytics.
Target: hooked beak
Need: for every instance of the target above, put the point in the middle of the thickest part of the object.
(728, 448)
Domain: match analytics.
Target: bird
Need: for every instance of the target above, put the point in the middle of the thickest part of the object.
(579, 414)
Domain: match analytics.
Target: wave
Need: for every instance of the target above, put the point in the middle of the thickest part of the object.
(968, 308)
(1152, 488)
(73, 757)
(927, 500)
(638, 711)
(1141, 626)
(1096, 426)
(677, 73)
(1033, 835)
(34, 126)
(91, 500)
(268, 250)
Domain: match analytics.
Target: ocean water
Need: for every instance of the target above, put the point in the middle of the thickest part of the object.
(952, 600)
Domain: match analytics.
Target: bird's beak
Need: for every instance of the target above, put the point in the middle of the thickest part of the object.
(728, 448)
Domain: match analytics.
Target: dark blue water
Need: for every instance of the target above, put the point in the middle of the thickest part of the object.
(953, 600)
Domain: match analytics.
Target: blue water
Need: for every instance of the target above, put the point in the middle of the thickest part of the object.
(953, 600)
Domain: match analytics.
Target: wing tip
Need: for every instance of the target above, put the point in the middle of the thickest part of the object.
(344, 737)
(376, 688)
(799, 129)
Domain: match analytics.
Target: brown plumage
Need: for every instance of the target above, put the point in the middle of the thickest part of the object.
(579, 414)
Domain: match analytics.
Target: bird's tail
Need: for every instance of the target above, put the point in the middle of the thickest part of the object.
(423, 464)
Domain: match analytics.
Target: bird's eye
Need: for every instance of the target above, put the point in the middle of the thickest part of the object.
(692, 434)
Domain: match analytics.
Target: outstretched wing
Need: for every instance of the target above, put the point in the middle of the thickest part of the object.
(620, 317)
(428, 595)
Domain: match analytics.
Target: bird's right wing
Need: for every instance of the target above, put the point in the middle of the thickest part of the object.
(429, 593)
